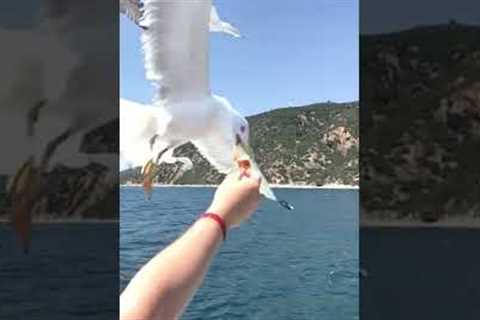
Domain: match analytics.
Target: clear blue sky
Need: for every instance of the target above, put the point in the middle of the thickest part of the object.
(382, 16)
(293, 52)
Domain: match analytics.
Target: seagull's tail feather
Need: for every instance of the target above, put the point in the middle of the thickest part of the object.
(217, 25)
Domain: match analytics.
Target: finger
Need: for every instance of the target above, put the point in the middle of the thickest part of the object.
(241, 174)
(244, 174)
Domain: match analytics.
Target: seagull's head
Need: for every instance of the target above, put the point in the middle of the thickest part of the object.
(241, 129)
(241, 134)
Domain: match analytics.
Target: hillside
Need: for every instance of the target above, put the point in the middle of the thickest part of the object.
(420, 122)
(311, 145)
(83, 192)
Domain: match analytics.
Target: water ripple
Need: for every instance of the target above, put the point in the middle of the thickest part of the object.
(278, 265)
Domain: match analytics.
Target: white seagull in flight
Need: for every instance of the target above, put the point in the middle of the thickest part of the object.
(58, 85)
(175, 45)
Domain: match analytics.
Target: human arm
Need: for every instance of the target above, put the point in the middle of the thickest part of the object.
(164, 286)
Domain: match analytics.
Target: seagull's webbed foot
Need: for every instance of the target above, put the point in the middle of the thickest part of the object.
(23, 193)
(26, 187)
(149, 171)
(33, 114)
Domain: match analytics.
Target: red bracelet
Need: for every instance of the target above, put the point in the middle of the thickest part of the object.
(219, 220)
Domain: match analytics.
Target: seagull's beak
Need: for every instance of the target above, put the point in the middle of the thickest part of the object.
(242, 150)
(149, 171)
(22, 194)
(244, 157)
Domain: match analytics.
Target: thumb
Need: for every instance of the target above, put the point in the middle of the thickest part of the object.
(257, 177)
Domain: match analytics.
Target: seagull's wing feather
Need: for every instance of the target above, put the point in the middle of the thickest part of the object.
(217, 150)
(132, 9)
(175, 45)
(217, 25)
(220, 152)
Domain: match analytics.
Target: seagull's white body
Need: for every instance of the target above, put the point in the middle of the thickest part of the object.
(208, 127)
(28, 76)
(66, 63)
(184, 110)
(85, 103)
(54, 90)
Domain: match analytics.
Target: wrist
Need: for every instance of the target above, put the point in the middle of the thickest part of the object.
(217, 220)
(223, 212)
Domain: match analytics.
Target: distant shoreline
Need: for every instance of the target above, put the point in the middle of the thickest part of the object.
(456, 222)
(280, 186)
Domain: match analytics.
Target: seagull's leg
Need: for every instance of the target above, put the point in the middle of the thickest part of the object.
(53, 145)
(82, 197)
(32, 116)
(186, 164)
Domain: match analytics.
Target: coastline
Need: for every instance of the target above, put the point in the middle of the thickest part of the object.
(278, 186)
(454, 222)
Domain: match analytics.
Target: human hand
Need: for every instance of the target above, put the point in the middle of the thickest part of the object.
(237, 196)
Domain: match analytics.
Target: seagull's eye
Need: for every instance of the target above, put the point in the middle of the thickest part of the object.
(242, 129)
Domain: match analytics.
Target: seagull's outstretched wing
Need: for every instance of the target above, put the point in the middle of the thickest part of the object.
(175, 45)
(217, 25)
(217, 149)
(132, 9)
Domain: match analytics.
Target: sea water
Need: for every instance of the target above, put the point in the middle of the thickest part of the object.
(300, 264)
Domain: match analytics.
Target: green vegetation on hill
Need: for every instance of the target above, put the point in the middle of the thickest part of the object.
(420, 122)
(87, 192)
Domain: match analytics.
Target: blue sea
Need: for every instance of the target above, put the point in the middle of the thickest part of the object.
(71, 272)
(279, 265)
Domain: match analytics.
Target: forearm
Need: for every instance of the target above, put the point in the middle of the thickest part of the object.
(163, 287)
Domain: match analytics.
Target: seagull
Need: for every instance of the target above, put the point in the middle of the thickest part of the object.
(70, 83)
(32, 80)
(175, 46)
